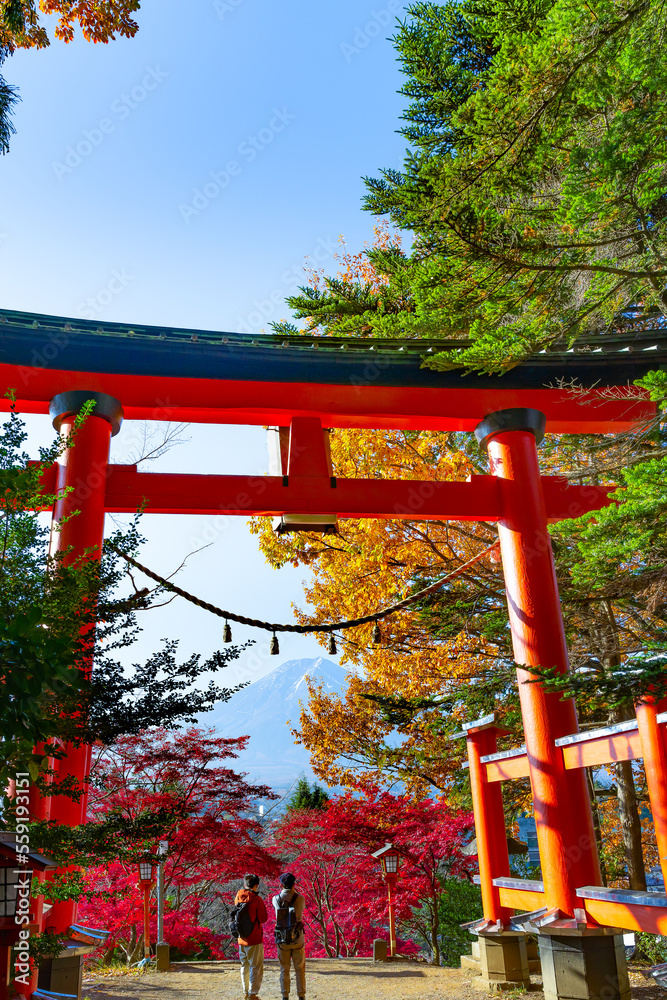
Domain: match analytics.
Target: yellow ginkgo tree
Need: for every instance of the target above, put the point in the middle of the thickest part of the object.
(373, 734)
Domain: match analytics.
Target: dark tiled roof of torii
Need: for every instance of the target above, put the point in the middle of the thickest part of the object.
(30, 339)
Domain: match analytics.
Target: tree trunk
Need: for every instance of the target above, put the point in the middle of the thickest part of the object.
(129, 947)
(435, 927)
(628, 812)
(631, 830)
(138, 952)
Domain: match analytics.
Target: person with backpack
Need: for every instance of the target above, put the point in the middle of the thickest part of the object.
(246, 919)
(289, 933)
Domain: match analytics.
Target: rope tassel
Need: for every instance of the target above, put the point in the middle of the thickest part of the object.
(274, 648)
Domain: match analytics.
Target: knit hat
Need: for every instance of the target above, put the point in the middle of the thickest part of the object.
(250, 881)
(287, 880)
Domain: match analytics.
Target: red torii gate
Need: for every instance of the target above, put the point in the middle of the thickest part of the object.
(57, 365)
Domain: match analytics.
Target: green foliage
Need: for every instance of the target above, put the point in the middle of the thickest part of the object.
(31, 657)
(545, 208)
(41, 645)
(8, 99)
(624, 536)
(384, 308)
(306, 796)
(655, 383)
(52, 612)
(460, 902)
(653, 947)
(630, 540)
(158, 692)
(617, 557)
(46, 945)
(625, 684)
(61, 886)
(111, 838)
(534, 181)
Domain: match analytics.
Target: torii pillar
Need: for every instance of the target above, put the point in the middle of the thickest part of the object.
(78, 531)
(585, 965)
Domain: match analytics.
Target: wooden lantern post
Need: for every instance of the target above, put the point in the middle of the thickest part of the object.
(390, 859)
(146, 882)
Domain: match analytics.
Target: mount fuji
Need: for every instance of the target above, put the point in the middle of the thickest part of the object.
(266, 711)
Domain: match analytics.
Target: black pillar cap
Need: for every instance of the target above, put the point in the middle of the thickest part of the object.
(65, 404)
(516, 419)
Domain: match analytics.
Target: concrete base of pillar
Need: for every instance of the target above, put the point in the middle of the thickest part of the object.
(495, 986)
(162, 956)
(503, 961)
(63, 975)
(584, 967)
(534, 963)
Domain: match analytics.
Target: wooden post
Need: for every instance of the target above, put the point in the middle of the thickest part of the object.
(391, 882)
(147, 921)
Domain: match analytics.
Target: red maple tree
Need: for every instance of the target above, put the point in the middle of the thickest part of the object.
(204, 808)
(329, 850)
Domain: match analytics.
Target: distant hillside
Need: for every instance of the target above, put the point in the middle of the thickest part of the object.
(263, 711)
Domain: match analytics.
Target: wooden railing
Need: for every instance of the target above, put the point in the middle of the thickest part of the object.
(625, 909)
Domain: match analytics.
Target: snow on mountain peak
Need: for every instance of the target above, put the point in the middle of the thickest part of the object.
(267, 710)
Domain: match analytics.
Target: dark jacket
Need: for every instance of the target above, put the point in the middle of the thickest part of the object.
(256, 911)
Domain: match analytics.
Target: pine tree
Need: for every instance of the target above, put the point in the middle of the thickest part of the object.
(533, 185)
(306, 796)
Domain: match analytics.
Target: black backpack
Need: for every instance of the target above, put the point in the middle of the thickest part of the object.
(287, 928)
(241, 923)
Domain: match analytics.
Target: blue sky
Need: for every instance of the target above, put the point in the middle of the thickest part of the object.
(182, 177)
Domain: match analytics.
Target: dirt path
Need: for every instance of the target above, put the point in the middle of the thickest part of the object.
(327, 980)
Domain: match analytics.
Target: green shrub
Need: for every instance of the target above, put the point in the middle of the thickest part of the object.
(461, 901)
(652, 947)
